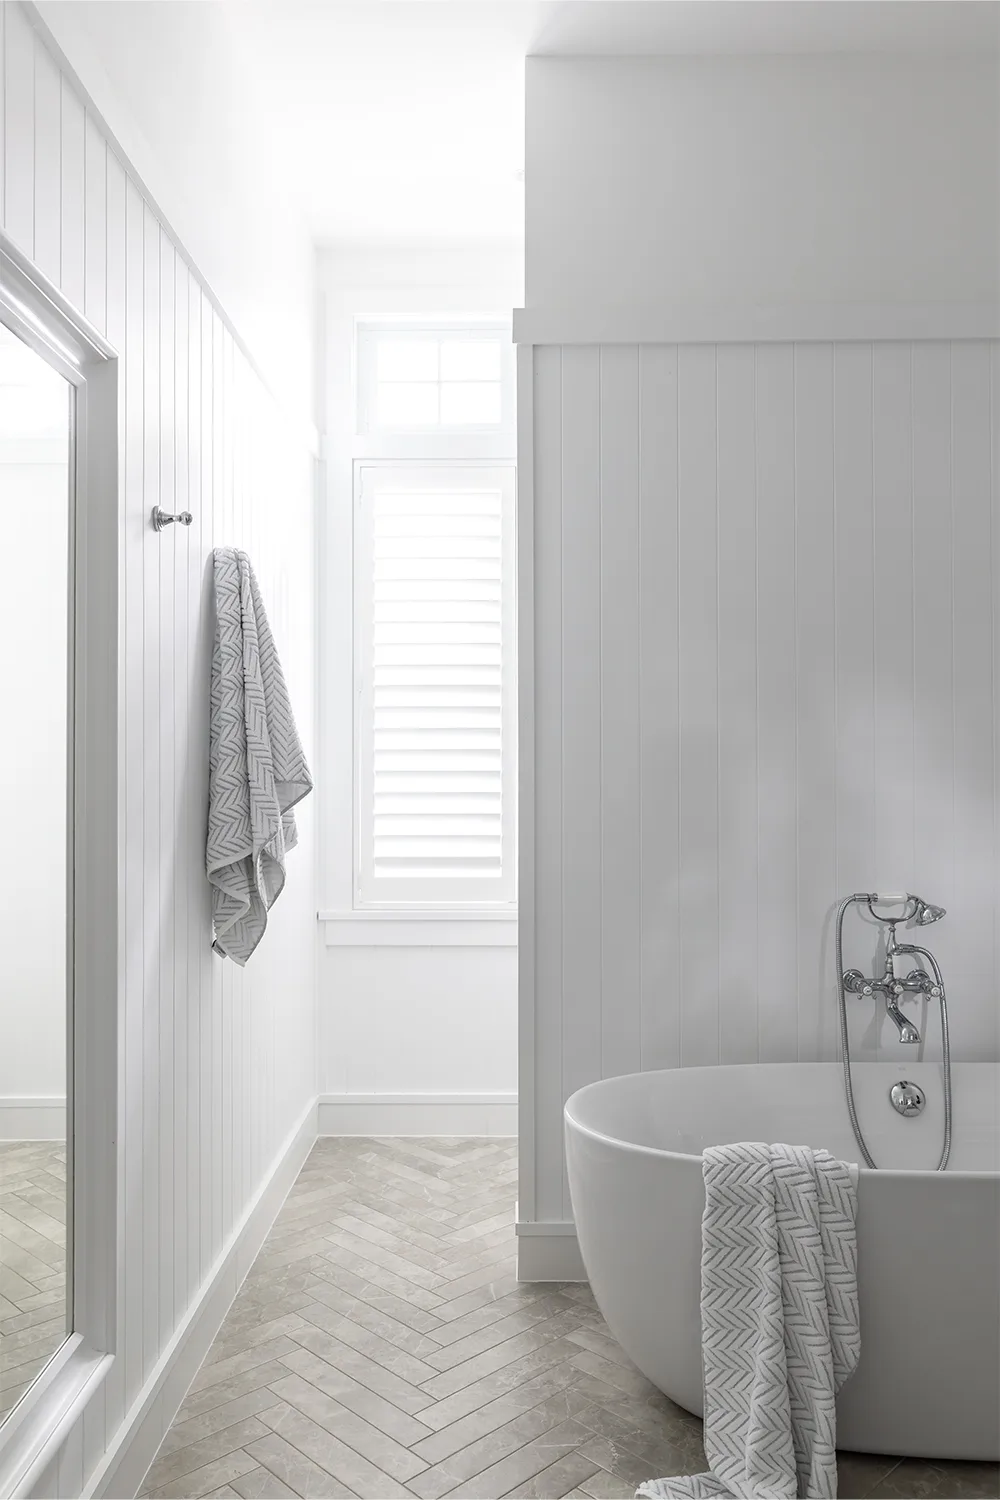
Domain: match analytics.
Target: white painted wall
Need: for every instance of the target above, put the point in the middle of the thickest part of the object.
(764, 602)
(409, 1024)
(765, 591)
(184, 96)
(34, 504)
(217, 1065)
(418, 1040)
(761, 181)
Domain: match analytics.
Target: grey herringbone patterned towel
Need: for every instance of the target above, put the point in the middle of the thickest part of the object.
(257, 771)
(779, 1322)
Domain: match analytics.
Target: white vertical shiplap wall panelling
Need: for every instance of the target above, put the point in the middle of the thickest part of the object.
(216, 1069)
(765, 675)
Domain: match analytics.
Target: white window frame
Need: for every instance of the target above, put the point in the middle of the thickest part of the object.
(432, 294)
(39, 314)
(420, 894)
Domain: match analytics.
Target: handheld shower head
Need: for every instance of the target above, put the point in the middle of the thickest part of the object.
(924, 914)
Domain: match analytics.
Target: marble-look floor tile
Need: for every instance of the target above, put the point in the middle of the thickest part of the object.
(486, 1307)
(381, 1347)
(448, 1440)
(381, 1450)
(363, 1478)
(213, 1476)
(480, 1341)
(375, 1409)
(542, 1453)
(254, 1379)
(604, 1486)
(509, 1378)
(483, 1453)
(303, 1477)
(180, 1461)
(504, 1353)
(261, 1484)
(354, 1299)
(672, 1450)
(237, 1364)
(216, 1419)
(913, 1479)
(247, 1334)
(619, 1462)
(858, 1473)
(557, 1480)
(376, 1377)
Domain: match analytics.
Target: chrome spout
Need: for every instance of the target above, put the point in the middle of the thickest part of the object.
(907, 1031)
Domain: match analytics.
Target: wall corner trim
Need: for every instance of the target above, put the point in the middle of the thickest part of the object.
(133, 1448)
(547, 1250)
(746, 323)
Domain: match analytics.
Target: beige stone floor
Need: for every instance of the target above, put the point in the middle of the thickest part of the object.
(381, 1347)
(32, 1262)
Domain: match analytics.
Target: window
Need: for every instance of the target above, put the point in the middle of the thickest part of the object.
(435, 686)
(420, 380)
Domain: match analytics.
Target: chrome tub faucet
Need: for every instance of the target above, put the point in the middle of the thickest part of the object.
(905, 1097)
(892, 983)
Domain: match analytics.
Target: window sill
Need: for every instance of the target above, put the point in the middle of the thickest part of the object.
(420, 928)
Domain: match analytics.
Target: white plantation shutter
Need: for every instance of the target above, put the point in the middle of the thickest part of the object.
(435, 684)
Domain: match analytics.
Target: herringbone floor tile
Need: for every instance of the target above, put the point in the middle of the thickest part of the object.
(32, 1262)
(382, 1347)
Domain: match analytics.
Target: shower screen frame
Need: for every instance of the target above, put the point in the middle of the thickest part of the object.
(33, 309)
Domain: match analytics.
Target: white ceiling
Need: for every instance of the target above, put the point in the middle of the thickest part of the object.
(401, 121)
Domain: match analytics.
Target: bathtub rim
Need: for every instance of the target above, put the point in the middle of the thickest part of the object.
(569, 1118)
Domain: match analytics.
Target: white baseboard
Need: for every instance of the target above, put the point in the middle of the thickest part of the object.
(548, 1251)
(32, 1118)
(134, 1446)
(418, 1114)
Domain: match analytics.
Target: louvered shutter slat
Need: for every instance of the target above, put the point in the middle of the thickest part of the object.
(436, 663)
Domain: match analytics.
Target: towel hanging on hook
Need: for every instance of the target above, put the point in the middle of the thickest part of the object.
(257, 768)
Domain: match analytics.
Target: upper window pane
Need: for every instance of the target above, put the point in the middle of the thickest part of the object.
(470, 359)
(425, 380)
(474, 404)
(407, 405)
(407, 359)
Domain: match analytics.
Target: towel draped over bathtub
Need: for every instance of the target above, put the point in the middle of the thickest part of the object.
(257, 770)
(779, 1316)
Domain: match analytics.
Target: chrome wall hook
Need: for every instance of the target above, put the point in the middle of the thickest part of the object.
(162, 518)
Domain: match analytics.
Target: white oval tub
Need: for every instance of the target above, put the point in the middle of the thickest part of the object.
(928, 1383)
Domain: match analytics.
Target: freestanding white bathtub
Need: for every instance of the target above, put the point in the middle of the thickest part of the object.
(928, 1383)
